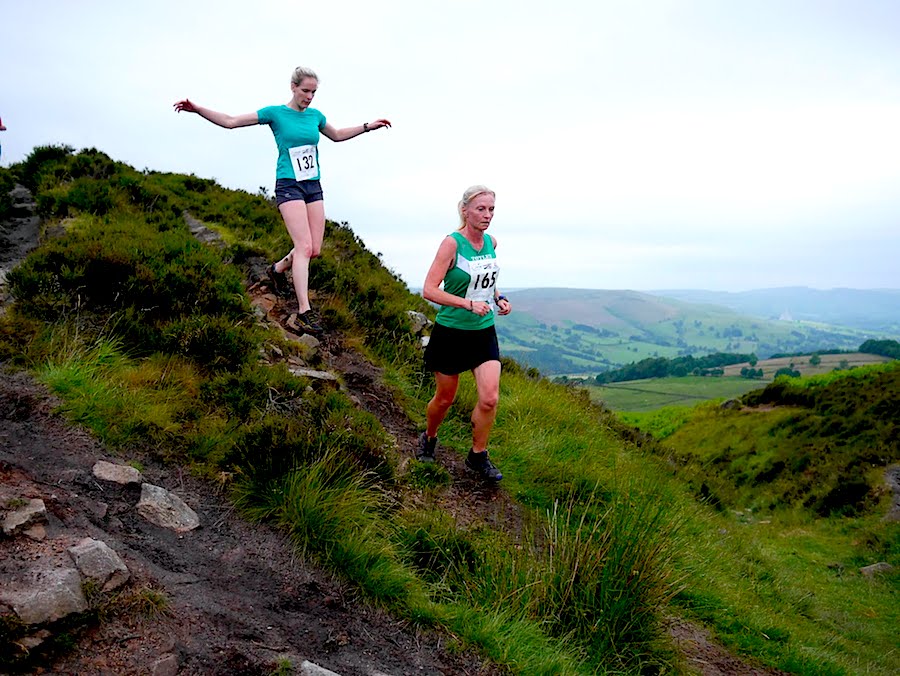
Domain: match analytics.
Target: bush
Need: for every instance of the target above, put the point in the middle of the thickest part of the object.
(45, 163)
(213, 342)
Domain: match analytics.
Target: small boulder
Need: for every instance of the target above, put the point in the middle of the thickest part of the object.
(308, 668)
(312, 373)
(97, 561)
(25, 516)
(165, 509)
(120, 474)
(52, 595)
(418, 321)
(876, 568)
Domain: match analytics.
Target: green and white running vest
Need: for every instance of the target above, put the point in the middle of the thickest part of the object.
(473, 277)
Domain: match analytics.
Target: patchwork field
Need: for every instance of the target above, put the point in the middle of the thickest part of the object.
(653, 393)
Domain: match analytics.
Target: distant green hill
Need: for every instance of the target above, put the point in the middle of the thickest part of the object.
(584, 331)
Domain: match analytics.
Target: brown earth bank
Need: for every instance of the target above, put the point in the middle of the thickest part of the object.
(238, 599)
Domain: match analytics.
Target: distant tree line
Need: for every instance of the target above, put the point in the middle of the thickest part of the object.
(660, 367)
(885, 348)
(787, 355)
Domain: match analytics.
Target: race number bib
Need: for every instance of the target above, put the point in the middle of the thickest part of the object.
(483, 280)
(303, 160)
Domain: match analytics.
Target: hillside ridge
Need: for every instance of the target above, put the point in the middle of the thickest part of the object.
(228, 627)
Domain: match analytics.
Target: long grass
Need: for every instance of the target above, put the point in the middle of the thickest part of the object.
(611, 542)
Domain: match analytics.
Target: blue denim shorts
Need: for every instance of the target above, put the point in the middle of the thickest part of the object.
(289, 190)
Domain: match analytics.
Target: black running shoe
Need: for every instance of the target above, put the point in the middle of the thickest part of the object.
(278, 281)
(483, 467)
(425, 451)
(305, 323)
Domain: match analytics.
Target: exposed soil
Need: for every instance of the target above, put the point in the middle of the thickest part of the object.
(239, 598)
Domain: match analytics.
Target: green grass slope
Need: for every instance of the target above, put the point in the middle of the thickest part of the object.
(797, 478)
(148, 340)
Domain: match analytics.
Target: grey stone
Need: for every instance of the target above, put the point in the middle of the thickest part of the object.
(875, 568)
(731, 404)
(53, 595)
(203, 233)
(418, 321)
(97, 561)
(120, 474)
(312, 373)
(424, 340)
(166, 509)
(310, 341)
(23, 518)
(307, 668)
(167, 665)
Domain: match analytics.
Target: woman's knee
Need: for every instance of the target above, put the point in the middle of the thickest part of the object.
(488, 401)
(303, 250)
(443, 398)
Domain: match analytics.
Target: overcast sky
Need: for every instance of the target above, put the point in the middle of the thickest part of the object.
(639, 144)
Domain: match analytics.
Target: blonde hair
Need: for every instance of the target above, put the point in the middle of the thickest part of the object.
(470, 194)
(301, 72)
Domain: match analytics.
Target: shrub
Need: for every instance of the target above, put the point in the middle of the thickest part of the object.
(45, 163)
(214, 342)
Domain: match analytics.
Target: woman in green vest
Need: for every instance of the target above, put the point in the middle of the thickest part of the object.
(298, 191)
(463, 281)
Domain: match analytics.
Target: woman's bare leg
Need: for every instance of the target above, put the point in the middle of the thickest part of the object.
(487, 382)
(440, 403)
(296, 220)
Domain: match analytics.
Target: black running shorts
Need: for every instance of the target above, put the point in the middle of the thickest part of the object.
(452, 351)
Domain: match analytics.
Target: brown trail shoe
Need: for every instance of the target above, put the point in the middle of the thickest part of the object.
(278, 282)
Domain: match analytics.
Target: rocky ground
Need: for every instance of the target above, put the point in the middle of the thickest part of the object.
(226, 597)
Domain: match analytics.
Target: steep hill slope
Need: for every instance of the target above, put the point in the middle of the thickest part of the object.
(230, 597)
(173, 353)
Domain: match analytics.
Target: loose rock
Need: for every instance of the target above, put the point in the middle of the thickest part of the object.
(120, 474)
(97, 561)
(166, 509)
(24, 517)
(52, 595)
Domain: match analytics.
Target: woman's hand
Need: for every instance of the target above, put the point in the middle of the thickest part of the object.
(185, 106)
(480, 308)
(378, 124)
(504, 307)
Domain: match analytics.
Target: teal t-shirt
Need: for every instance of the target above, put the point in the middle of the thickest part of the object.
(297, 137)
(474, 277)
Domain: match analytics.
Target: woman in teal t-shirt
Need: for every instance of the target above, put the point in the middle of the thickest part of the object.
(298, 192)
(464, 337)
